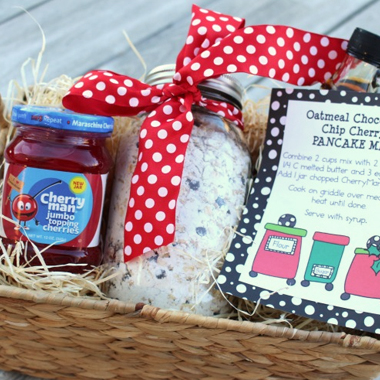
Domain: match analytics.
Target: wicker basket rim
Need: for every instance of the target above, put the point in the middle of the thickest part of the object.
(167, 316)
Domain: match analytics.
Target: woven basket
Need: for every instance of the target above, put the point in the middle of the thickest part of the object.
(64, 337)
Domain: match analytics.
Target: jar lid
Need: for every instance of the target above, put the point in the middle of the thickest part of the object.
(59, 118)
(365, 45)
(331, 238)
(286, 230)
(224, 87)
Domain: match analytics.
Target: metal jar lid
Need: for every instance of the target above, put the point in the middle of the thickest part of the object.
(223, 88)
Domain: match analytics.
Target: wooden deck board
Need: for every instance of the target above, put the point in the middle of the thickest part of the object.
(80, 35)
(87, 34)
(9, 10)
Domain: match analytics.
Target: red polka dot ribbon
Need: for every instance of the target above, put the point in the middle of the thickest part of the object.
(216, 44)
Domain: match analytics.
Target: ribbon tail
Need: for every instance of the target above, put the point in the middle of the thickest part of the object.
(151, 215)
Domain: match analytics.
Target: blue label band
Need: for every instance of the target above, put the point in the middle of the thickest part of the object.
(61, 119)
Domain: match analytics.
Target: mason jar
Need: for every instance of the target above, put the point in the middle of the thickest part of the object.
(217, 168)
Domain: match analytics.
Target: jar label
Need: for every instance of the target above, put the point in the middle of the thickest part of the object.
(281, 244)
(52, 207)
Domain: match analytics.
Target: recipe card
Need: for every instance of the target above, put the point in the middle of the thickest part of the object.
(309, 238)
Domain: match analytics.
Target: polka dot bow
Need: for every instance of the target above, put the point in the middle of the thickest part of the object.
(216, 44)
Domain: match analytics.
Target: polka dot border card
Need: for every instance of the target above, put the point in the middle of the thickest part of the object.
(309, 237)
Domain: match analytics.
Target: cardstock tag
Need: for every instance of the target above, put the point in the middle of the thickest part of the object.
(309, 237)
